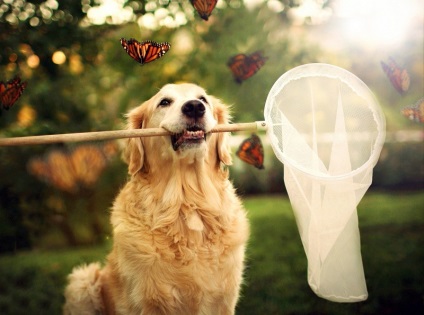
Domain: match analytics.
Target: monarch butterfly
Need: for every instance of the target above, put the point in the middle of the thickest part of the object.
(415, 112)
(204, 7)
(244, 66)
(398, 76)
(10, 91)
(251, 151)
(70, 171)
(54, 169)
(146, 51)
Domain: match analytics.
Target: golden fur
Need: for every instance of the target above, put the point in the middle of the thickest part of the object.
(179, 229)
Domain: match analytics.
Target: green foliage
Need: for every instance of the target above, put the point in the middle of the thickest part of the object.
(98, 83)
(32, 283)
(41, 215)
(52, 103)
(400, 166)
(275, 280)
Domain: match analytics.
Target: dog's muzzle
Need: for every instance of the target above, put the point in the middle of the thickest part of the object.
(195, 133)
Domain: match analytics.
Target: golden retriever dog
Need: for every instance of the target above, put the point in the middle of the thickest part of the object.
(179, 229)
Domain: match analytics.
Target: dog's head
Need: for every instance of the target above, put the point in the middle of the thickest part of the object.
(189, 114)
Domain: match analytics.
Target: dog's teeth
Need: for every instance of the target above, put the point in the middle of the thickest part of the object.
(179, 138)
(193, 134)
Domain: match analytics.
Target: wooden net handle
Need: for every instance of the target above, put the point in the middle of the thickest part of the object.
(117, 134)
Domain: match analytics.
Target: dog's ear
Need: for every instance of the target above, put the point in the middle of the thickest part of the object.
(133, 154)
(222, 116)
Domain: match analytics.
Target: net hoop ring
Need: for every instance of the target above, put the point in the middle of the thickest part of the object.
(347, 78)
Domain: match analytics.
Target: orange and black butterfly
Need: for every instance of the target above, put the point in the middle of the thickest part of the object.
(244, 66)
(70, 171)
(251, 151)
(10, 91)
(146, 51)
(415, 112)
(398, 76)
(55, 169)
(204, 7)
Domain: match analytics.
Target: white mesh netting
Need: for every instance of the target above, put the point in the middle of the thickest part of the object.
(325, 125)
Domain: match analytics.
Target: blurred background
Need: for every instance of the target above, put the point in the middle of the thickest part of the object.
(55, 199)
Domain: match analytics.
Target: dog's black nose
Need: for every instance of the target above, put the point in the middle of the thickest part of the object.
(193, 109)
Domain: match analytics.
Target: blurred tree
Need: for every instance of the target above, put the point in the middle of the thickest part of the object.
(80, 78)
(44, 43)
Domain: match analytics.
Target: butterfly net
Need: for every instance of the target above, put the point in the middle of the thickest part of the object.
(325, 125)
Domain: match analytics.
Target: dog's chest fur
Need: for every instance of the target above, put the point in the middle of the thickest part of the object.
(184, 230)
(183, 248)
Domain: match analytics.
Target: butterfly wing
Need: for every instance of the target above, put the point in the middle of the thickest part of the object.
(146, 51)
(5, 85)
(404, 81)
(237, 65)
(10, 92)
(132, 50)
(415, 112)
(243, 66)
(40, 169)
(258, 58)
(255, 62)
(251, 151)
(204, 7)
(398, 77)
(155, 50)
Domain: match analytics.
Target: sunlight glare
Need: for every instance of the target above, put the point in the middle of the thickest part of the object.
(33, 61)
(377, 21)
(59, 57)
(113, 10)
(149, 21)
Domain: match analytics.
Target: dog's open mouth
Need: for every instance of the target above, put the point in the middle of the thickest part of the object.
(192, 135)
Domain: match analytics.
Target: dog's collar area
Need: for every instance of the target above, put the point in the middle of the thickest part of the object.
(191, 135)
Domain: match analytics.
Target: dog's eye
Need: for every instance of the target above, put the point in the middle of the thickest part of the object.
(203, 99)
(165, 102)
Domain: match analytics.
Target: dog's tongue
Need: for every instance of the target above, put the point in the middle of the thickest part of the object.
(188, 135)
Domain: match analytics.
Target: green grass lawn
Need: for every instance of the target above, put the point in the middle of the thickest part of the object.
(392, 237)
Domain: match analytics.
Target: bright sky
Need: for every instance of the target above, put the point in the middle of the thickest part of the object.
(380, 21)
